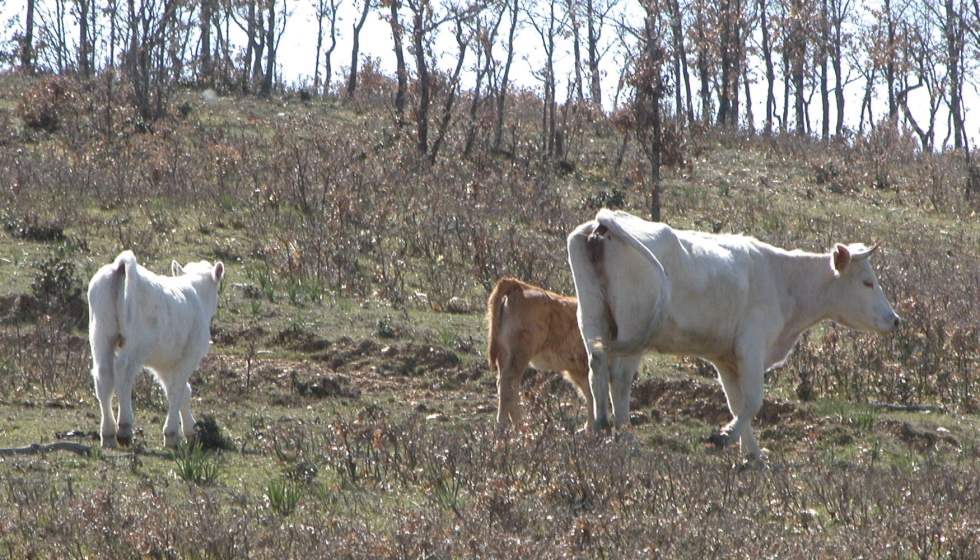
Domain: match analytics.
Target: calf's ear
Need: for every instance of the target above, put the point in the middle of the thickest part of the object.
(219, 272)
(176, 269)
(842, 258)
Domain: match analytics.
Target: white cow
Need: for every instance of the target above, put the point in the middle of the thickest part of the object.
(138, 319)
(735, 301)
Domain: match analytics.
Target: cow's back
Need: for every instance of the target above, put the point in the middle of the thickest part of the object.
(715, 282)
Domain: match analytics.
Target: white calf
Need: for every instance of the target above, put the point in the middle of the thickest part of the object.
(138, 319)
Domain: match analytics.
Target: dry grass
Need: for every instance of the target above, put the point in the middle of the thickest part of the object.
(339, 370)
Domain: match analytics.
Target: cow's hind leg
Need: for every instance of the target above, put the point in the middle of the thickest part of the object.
(103, 356)
(744, 401)
(511, 372)
(621, 374)
(599, 383)
(127, 366)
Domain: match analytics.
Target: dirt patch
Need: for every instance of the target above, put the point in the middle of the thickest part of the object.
(921, 438)
(704, 401)
(324, 386)
(408, 360)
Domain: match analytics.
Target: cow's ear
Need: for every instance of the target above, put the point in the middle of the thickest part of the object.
(219, 272)
(176, 269)
(842, 258)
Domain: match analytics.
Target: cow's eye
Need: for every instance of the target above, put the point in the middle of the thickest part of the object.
(869, 284)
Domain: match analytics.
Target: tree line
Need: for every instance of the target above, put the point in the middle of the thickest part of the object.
(689, 61)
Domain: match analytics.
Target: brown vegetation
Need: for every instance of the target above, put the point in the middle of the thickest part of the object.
(331, 357)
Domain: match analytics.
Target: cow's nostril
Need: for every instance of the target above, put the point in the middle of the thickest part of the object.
(898, 322)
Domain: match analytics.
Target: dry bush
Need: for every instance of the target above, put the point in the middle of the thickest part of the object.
(50, 104)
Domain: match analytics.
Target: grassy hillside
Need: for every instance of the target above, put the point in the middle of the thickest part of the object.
(350, 410)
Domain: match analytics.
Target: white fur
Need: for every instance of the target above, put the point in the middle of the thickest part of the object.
(735, 301)
(138, 319)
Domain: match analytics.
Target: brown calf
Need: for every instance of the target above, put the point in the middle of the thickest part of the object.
(529, 325)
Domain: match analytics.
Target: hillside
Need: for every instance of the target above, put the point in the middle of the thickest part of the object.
(348, 400)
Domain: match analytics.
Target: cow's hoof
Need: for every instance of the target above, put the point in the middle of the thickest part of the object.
(124, 440)
(601, 427)
(109, 441)
(718, 439)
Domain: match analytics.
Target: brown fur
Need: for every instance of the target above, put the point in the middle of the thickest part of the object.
(529, 325)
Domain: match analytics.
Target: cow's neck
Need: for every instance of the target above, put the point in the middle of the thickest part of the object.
(810, 277)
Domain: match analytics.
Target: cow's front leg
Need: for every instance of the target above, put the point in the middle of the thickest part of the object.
(187, 423)
(743, 389)
(175, 397)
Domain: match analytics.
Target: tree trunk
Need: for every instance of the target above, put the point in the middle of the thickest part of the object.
(270, 46)
(352, 79)
(27, 45)
(402, 73)
(502, 94)
(823, 47)
(595, 86)
(424, 83)
(84, 40)
(770, 70)
(207, 70)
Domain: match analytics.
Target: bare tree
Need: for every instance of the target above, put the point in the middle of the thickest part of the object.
(486, 24)
(767, 47)
(401, 71)
(148, 24)
(205, 19)
(324, 10)
(646, 75)
(355, 50)
(505, 77)
(275, 28)
(839, 41)
(954, 34)
(27, 40)
(549, 25)
(596, 13)
(463, 38)
(679, 57)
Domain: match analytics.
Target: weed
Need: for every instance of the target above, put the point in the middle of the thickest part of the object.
(194, 463)
(385, 328)
(56, 282)
(283, 496)
(207, 434)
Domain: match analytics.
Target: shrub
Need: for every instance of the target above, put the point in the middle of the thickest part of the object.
(47, 104)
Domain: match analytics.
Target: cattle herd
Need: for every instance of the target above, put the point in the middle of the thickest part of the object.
(641, 286)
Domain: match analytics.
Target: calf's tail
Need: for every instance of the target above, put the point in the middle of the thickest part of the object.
(128, 299)
(503, 288)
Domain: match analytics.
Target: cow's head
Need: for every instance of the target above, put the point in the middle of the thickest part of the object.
(206, 279)
(860, 303)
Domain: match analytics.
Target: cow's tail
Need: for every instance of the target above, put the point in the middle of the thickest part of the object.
(494, 309)
(128, 300)
(637, 344)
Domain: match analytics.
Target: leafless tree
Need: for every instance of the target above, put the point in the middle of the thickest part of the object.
(504, 80)
(325, 10)
(549, 23)
(27, 40)
(355, 49)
